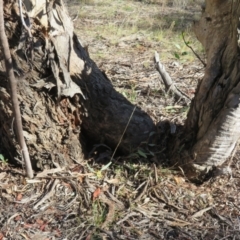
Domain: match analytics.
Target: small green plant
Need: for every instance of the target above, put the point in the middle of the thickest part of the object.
(130, 94)
(180, 52)
(98, 173)
(3, 159)
(99, 213)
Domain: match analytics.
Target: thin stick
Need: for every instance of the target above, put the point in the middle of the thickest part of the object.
(187, 44)
(22, 19)
(120, 140)
(13, 88)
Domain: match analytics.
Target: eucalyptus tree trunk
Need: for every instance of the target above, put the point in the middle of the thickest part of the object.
(212, 128)
(61, 91)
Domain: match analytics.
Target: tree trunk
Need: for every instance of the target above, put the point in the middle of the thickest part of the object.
(61, 91)
(212, 128)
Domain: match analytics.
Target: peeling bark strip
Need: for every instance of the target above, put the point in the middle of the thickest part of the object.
(214, 118)
(65, 94)
(13, 87)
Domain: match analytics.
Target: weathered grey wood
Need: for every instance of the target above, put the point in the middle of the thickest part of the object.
(170, 86)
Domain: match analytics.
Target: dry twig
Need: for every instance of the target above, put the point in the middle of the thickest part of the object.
(198, 57)
(13, 86)
(47, 195)
(142, 192)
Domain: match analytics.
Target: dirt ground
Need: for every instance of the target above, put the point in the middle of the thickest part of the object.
(134, 197)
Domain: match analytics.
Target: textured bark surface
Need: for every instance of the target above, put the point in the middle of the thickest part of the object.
(213, 122)
(61, 92)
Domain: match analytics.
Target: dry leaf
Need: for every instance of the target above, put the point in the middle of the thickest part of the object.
(9, 190)
(43, 227)
(34, 181)
(77, 168)
(28, 225)
(2, 175)
(58, 233)
(17, 218)
(201, 212)
(1, 236)
(39, 222)
(96, 193)
(19, 197)
(178, 224)
(49, 171)
(179, 180)
(114, 181)
(89, 237)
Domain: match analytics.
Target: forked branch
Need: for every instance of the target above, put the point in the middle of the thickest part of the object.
(170, 86)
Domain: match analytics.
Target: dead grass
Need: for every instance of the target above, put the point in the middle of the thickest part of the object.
(155, 23)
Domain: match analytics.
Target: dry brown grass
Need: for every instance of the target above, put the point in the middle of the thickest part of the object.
(156, 23)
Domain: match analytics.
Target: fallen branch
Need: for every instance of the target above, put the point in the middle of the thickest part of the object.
(13, 89)
(170, 86)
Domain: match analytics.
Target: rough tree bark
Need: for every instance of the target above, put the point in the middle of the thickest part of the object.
(61, 91)
(212, 128)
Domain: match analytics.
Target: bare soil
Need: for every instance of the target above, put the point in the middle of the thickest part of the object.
(135, 197)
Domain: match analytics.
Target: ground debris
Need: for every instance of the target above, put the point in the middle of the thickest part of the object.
(62, 206)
